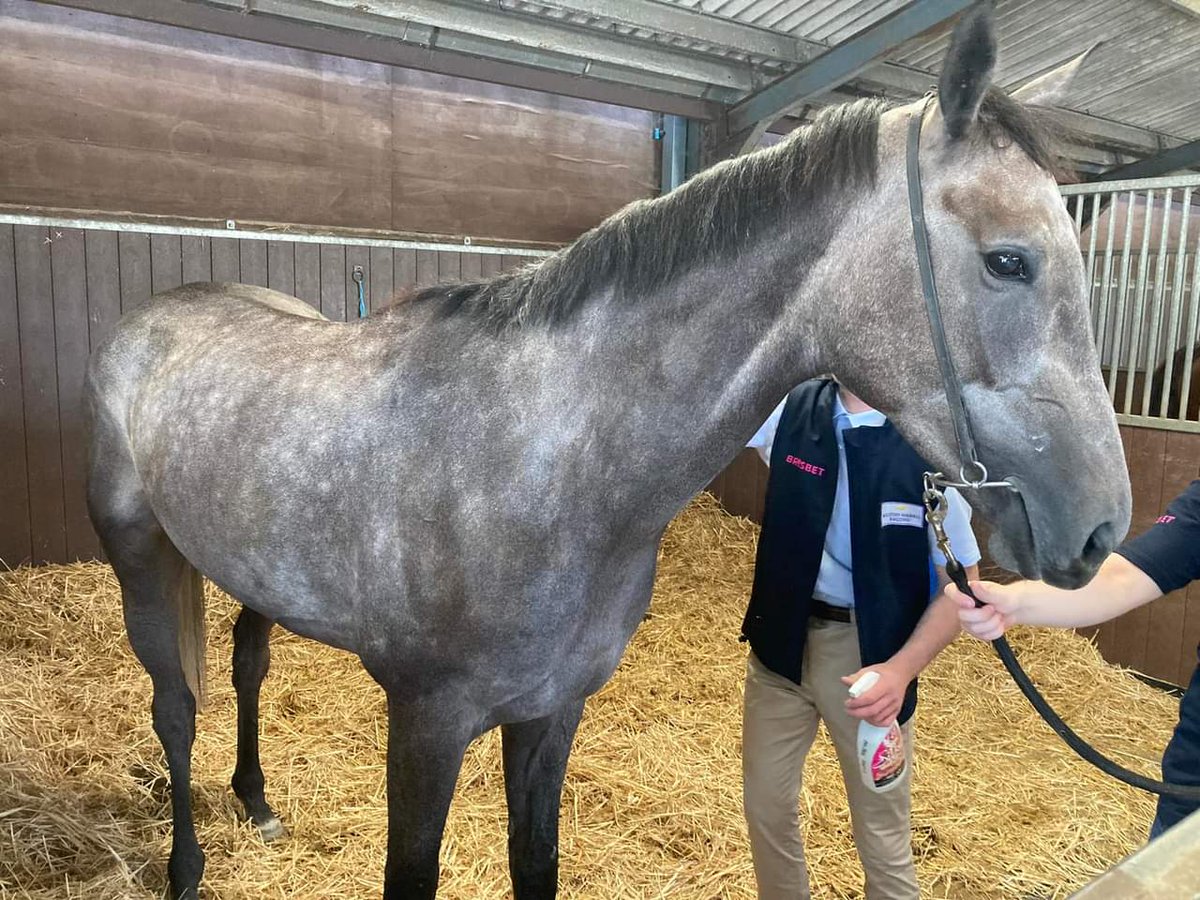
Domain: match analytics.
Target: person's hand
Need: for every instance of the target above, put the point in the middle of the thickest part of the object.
(990, 621)
(881, 704)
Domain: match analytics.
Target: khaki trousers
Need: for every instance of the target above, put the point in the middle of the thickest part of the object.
(778, 728)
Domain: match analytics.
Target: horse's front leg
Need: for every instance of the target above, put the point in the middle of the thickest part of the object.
(426, 744)
(535, 762)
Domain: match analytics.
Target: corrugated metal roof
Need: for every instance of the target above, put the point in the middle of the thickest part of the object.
(1145, 73)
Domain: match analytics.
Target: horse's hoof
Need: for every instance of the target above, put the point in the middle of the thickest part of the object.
(271, 830)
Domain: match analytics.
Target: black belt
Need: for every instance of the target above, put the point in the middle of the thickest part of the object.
(823, 610)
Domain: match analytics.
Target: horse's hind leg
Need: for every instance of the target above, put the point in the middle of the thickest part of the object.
(535, 762)
(157, 585)
(251, 659)
(163, 604)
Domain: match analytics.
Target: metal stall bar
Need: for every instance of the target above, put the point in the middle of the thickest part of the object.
(1176, 306)
(1160, 273)
(1101, 331)
(1193, 309)
(1135, 344)
(1091, 259)
(1114, 364)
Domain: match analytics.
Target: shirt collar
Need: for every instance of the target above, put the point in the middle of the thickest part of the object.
(841, 416)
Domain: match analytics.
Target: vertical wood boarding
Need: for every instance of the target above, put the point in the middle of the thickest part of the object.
(15, 541)
(253, 262)
(39, 384)
(308, 274)
(281, 266)
(197, 258)
(68, 270)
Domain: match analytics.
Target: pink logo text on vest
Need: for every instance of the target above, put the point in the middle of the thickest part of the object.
(1164, 520)
(804, 466)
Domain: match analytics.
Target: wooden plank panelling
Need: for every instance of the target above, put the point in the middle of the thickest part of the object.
(567, 163)
(382, 287)
(471, 267)
(490, 265)
(253, 267)
(1126, 638)
(226, 260)
(110, 113)
(333, 282)
(404, 275)
(39, 381)
(103, 285)
(308, 274)
(449, 267)
(427, 268)
(15, 544)
(281, 266)
(197, 258)
(69, 280)
(134, 254)
(200, 125)
(166, 262)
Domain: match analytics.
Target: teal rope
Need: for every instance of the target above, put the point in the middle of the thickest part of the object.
(362, 301)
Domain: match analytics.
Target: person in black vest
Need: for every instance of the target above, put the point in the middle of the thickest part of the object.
(842, 584)
(1166, 558)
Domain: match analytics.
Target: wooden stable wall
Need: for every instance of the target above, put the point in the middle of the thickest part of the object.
(1158, 640)
(62, 290)
(112, 114)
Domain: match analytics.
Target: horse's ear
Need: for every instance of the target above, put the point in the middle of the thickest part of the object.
(967, 71)
(1051, 88)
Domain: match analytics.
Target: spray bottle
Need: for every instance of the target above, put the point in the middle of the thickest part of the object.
(880, 748)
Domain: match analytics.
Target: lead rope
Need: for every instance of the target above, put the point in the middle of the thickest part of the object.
(936, 510)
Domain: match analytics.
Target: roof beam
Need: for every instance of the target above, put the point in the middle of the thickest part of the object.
(664, 18)
(841, 63)
(1185, 156)
(506, 26)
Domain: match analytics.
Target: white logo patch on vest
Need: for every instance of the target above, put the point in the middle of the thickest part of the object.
(910, 514)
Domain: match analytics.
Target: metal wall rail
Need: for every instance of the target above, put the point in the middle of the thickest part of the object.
(233, 230)
(1140, 242)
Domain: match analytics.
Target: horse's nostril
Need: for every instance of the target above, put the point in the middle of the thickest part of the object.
(1099, 544)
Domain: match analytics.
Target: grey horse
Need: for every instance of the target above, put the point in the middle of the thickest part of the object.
(468, 490)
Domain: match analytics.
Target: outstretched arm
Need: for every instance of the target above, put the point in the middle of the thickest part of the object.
(1118, 587)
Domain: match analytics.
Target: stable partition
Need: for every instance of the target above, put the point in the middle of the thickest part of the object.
(64, 283)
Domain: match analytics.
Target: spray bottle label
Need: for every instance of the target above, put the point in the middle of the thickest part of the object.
(887, 762)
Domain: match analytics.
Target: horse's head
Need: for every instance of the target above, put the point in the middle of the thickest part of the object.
(1015, 307)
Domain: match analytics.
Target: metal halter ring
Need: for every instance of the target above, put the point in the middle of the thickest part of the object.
(974, 484)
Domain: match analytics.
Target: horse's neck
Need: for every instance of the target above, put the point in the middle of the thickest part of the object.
(693, 370)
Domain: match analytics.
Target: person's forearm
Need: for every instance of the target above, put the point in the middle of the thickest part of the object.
(937, 628)
(1118, 587)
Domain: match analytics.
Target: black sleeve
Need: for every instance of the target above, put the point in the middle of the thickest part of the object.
(1170, 551)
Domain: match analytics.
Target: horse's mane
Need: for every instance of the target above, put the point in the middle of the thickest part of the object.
(717, 213)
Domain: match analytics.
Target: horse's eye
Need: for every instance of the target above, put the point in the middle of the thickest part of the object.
(1007, 264)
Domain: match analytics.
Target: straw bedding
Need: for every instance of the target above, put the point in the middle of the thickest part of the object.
(651, 806)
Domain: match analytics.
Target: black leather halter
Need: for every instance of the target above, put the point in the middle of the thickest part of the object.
(972, 473)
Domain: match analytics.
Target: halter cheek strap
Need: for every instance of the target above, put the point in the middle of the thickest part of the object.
(971, 473)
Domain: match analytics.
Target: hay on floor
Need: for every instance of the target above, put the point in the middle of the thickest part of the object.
(652, 804)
